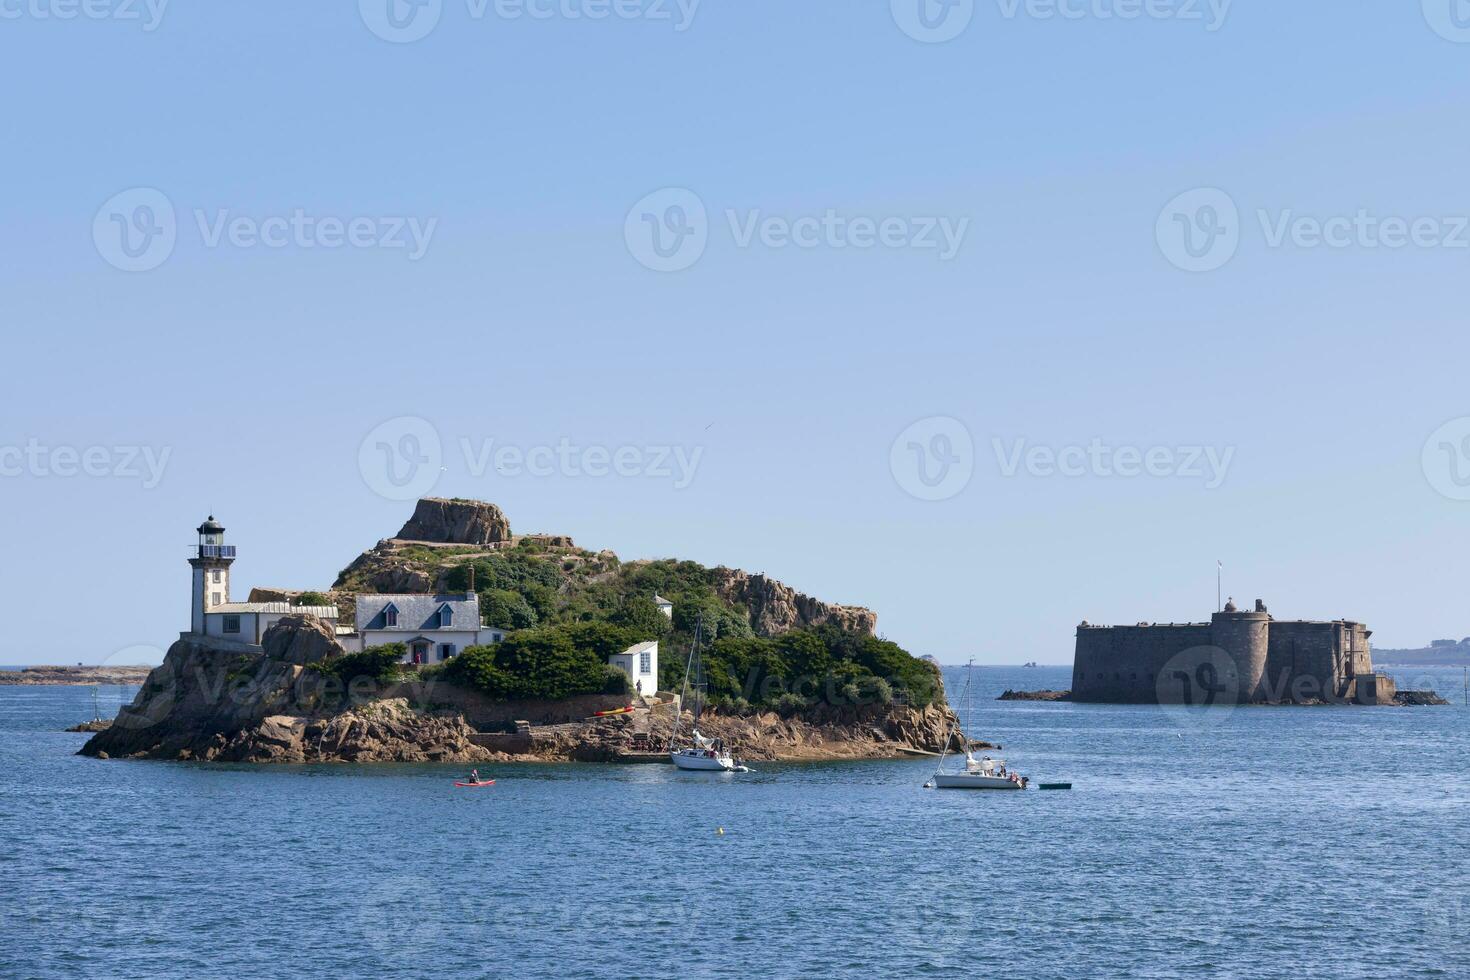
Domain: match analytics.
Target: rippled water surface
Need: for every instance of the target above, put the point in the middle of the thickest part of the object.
(1301, 842)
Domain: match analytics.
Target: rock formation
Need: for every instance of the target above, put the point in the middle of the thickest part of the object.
(219, 701)
(456, 522)
(776, 608)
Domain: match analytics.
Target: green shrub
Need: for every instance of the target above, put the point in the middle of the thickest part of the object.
(548, 663)
(311, 599)
(617, 681)
(382, 664)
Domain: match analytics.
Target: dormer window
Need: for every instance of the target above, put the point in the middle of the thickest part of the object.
(446, 617)
(390, 616)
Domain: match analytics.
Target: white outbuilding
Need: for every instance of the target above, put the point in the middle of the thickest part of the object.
(640, 662)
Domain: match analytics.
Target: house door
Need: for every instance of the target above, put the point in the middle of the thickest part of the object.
(420, 653)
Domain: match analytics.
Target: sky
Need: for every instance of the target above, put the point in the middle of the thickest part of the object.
(993, 316)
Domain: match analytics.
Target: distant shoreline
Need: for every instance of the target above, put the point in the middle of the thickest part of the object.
(81, 675)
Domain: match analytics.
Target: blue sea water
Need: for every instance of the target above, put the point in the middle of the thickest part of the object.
(1259, 842)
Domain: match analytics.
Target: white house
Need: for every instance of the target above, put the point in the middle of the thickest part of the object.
(248, 621)
(640, 662)
(434, 627)
(664, 606)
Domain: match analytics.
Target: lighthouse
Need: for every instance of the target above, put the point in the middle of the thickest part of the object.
(211, 564)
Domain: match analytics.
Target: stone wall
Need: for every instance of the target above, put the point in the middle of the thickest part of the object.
(1266, 660)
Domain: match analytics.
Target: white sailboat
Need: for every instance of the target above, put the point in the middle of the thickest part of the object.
(701, 754)
(983, 773)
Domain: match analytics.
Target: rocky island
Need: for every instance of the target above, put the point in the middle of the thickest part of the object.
(548, 673)
(82, 675)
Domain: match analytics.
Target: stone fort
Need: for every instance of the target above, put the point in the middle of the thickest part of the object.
(1238, 657)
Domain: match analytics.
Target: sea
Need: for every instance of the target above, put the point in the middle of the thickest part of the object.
(1247, 842)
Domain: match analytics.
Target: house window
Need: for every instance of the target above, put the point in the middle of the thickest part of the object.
(446, 651)
(645, 662)
(446, 617)
(232, 624)
(214, 598)
(216, 576)
(390, 617)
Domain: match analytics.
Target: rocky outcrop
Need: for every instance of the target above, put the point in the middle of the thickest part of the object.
(80, 675)
(228, 702)
(456, 522)
(776, 608)
(300, 640)
(377, 571)
(868, 732)
(1418, 698)
(1010, 695)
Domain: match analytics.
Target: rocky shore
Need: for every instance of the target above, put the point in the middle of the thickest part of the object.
(81, 675)
(1010, 695)
(215, 702)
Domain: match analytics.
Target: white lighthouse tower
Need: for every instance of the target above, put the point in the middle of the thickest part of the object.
(211, 572)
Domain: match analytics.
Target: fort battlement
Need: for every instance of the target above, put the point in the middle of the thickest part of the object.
(1239, 656)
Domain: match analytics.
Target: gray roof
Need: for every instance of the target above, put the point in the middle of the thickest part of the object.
(639, 648)
(417, 613)
(234, 608)
(661, 600)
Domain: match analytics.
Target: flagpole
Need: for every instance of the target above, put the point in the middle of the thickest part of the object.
(1219, 567)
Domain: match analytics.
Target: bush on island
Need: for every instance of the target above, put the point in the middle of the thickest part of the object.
(311, 599)
(549, 663)
(382, 664)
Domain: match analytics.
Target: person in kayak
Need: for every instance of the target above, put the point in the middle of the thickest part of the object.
(474, 776)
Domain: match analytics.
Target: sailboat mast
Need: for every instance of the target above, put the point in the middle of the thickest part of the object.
(688, 668)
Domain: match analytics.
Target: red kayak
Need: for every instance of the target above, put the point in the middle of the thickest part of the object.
(615, 711)
(487, 782)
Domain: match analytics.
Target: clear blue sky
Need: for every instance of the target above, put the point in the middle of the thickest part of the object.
(529, 319)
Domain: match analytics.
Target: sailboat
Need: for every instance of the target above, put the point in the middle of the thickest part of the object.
(983, 773)
(701, 754)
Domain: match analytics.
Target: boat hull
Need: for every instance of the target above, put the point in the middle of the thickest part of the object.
(703, 763)
(966, 780)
